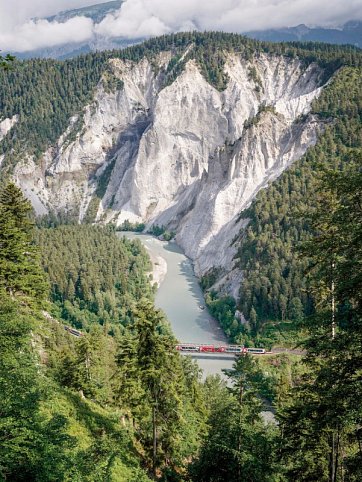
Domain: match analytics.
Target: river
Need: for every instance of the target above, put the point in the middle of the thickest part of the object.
(179, 295)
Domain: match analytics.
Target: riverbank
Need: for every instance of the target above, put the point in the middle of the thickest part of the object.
(180, 296)
(159, 267)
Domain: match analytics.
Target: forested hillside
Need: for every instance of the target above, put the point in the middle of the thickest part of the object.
(275, 285)
(275, 295)
(117, 408)
(45, 94)
(95, 277)
(92, 408)
(128, 408)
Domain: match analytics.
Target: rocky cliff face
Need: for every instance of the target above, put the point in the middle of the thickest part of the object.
(186, 155)
(5, 127)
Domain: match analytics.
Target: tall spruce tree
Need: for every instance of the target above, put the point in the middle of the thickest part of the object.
(322, 426)
(28, 443)
(20, 271)
(161, 377)
(239, 446)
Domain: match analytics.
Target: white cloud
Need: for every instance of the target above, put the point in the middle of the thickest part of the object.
(143, 18)
(228, 15)
(18, 32)
(134, 19)
(41, 33)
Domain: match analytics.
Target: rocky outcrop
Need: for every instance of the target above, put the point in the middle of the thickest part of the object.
(186, 155)
(6, 125)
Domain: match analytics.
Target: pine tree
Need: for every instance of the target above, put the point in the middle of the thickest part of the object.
(239, 445)
(321, 427)
(128, 389)
(161, 377)
(20, 271)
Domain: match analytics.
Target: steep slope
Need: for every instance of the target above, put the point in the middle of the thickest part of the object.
(182, 131)
(186, 156)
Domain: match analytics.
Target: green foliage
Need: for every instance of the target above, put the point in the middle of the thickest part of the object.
(110, 82)
(94, 276)
(322, 422)
(153, 382)
(239, 445)
(161, 231)
(223, 309)
(275, 286)
(20, 272)
(46, 94)
(99, 407)
(256, 119)
(6, 62)
(253, 75)
(64, 414)
(210, 278)
(20, 388)
(128, 226)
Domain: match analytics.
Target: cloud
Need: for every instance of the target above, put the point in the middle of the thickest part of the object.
(133, 20)
(155, 17)
(16, 12)
(41, 33)
(145, 18)
(19, 33)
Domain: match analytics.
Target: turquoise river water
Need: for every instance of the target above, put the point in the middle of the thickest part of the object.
(180, 297)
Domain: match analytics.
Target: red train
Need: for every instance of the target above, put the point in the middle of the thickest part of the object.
(227, 349)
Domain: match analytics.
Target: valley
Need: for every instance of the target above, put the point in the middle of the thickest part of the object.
(181, 297)
(197, 188)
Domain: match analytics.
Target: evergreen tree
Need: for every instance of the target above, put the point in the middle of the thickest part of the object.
(128, 388)
(239, 445)
(161, 377)
(27, 441)
(20, 271)
(6, 62)
(321, 427)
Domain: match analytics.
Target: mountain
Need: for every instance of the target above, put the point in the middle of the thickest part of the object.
(349, 33)
(185, 131)
(95, 12)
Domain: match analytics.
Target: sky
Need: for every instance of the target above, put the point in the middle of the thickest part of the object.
(143, 18)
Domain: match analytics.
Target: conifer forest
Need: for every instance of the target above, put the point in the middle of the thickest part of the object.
(92, 387)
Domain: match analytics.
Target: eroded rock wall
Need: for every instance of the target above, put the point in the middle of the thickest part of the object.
(186, 155)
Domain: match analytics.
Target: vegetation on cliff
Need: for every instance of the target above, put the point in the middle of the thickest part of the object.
(95, 277)
(118, 403)
(45, 94)
(127, 407)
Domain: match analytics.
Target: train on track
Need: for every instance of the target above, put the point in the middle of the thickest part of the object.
(223, 349)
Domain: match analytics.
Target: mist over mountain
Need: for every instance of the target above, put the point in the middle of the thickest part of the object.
(104, 27)
(350, 33)
(95, 12)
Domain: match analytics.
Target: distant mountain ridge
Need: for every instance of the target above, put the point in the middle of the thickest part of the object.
(349, 33)
(96, 12)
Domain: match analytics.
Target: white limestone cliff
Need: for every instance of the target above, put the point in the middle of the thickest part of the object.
(6, 125)
(185, 156)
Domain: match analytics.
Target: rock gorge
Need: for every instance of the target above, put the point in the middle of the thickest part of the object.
(182, 154)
